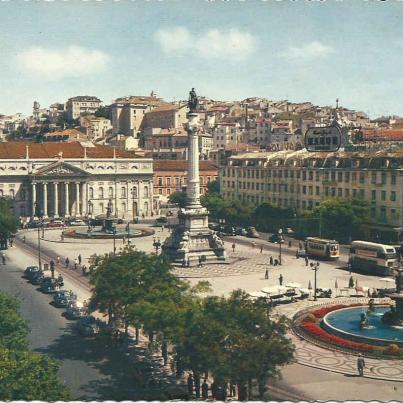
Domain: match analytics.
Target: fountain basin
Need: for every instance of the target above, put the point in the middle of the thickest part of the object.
(98, 233)
(345, 323)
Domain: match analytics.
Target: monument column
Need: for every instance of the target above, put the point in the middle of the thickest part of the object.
(66, 199)
(56, 199)
(193, 182)
(77, 198)
(45, 199)
(33, 199)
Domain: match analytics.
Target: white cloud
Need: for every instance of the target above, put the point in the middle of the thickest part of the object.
(311, 50)
(231, 45)
(73, 61)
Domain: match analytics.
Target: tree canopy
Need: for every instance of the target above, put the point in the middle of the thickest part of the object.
(24, 375)
(8, 222)
(178, 198)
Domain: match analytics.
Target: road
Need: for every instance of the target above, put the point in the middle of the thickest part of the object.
(92, 370)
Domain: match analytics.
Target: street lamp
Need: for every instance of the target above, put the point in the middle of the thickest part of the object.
(315, 268)
(39, 244)
(156, 244)
(114, 241)
(280, 241)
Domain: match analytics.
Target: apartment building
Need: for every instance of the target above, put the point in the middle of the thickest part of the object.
(85, 104)
(171, 176)
(96, 127)
(166, 117)
(128, 113)
(225, 134)
(301, 180)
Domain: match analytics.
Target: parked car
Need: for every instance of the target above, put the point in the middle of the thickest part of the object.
(74, 311)
(56, 223)
(323, 293)
(36, 277)
(252, 233)
(76, 223)
(34, 224)
(214, 226)
(228, 230)
(49, 285)
(30, 270)
(88, 326)
(241, 231)
(62, 298)
(275, 238)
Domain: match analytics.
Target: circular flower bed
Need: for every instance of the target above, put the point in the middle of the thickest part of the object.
(309, 324)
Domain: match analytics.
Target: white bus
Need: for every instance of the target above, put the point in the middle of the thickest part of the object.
(324, 248)
(373, 258)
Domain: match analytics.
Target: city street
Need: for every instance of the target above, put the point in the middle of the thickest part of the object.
(246, 272)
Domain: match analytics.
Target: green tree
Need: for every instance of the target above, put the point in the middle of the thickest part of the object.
(214, 186)
(270, 218)
(342, 218)
(8, 222)
(104, 112)
(178, 198)
(25, 375)
(13, 329)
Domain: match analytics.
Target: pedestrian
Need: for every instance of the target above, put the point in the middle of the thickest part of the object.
(271, 260)
(253, 244)
(233, 248)
(266, 274)
(360, 365)
(289, 244)
(62, 237)
(205, 390)
(306, 261)
(280, 279)
(297, 254)
(84, 270)
(67, 262)
(300, 245)
(200, 261)
(123, 240)
(23, 239)
(162, 227)
(11, 242)
(261, 248)
(58, 260)
(190, 383)
(52, 268)
(75, 264)
(79, 258)
(3, 258)
(143, 216)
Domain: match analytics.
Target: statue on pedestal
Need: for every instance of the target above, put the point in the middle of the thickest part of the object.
(193, 102)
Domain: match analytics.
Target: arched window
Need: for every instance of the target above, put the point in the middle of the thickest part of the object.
(134, 192)
(91, 193)
(110, 192)
(123, 192)
(145, 191)
(101, 193)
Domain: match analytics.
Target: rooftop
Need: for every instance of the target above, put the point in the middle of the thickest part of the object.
(140, 100)
(18, 150)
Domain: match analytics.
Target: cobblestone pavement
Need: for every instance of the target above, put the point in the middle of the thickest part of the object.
(318, 357)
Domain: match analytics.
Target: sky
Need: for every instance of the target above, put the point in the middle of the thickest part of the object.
(228, 50)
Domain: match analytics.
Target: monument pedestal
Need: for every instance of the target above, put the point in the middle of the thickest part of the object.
(192, 239)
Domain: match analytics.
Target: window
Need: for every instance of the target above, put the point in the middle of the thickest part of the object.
(340, 176)
(373, 177)
(339, 192)
(304, 175)
(145, 194)
(333, 190)
(373, 195)
(110, 192)
(393, 180)
(383, 213)
(123, 192)
(392, 196)
(12, 193)
(362, 193)
(383, 178)
(383, 195)
(159, 181)
(101, 193)
(317, 192)
(134, 192)
(124, 207)
(304, 190)
(347, 177)
(310, 189)
(332, 176)
(354, 177)
(362, 177)
(317, 176)
(168, 191)
(168, 181)
(91, 193)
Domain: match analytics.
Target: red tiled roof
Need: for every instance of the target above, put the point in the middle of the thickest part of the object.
(18, 150)
(181, 165)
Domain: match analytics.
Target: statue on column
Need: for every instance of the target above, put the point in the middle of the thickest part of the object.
(193, 102)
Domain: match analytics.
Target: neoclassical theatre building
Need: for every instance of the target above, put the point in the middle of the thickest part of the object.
(75, 180)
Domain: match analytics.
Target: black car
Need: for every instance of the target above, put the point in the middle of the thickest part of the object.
(62, 298)
(49, 285)
(214, 226)
(74, 312)
(88, 326)
(30, 270)
(275, 238)
(241, 231)
(227, 230)
(36, 277)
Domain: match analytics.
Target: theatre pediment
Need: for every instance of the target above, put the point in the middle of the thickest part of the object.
(59, 169)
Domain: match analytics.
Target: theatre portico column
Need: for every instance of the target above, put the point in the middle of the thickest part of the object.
(77, 198)
(66, 200)
(33, 199)
(56, 199)
(45, 199)
(84, 202)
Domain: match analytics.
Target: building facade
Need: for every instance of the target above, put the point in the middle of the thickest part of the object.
(301, 180)
(77, 106)
(96, 127)
(171, 176)
(166, 117)
(62, 180)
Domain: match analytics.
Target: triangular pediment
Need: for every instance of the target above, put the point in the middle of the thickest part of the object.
(60, 168)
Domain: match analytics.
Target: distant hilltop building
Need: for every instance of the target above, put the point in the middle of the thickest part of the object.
(83, 104)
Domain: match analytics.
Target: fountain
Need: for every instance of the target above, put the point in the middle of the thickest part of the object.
(372, 324)
(394, 317)
(108, 230)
